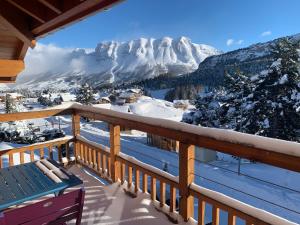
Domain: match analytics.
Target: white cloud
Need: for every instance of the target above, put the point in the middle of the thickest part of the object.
(46, 58)
(266, 33)
(231, 42)
(239, 42)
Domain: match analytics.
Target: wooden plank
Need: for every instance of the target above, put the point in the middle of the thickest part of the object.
(201, 212)
(186, 177)
(129, 176)
(11, 159)
(10, 68)
(145, 183)
(99, 164)
(114, 151)
(34, 10)
(137, 181)
(231, 218)
(172, 198)
(59, 151)
(104, 164)
(31, 156)
(162, 201)
(122, 173)
(215, 215)
(42, 153)
(153, 188)
(21, 157)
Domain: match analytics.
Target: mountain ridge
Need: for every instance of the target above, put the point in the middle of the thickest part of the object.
(113, 62)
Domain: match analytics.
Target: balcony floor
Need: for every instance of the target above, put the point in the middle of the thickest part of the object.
(109, 205)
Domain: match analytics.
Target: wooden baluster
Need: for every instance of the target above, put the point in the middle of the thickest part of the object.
(81, 152)
(162, 193)
(1, 165)
(91, 163)
(59, 151)
(31, 155)
(76, 132)
(103, 164)
(122, 173)
(68, 151)
(153, 188)
(201, 212)
(42, 155)
(172, 198)
(137, 181)
(186, 177)
(215, 215)
(114, 152)
(50, 151)
(145, 183)
(231, 218)
(109, 167)
(11, 159)
(22, 157)
(99, 161)
(129, 176)
(94, 159)
(85, 159)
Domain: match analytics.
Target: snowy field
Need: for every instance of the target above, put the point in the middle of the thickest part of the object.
(266, 187)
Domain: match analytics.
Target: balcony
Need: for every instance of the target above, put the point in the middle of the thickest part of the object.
(137, 193)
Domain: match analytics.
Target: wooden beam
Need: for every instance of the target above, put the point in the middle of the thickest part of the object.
(21, 50)
(186, 177)
(78, 12)
(16, 22)
(30, 8)
(7, 79)
(10, 68)
(54, 5)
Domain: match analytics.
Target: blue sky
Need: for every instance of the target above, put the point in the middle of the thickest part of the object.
(224, 24)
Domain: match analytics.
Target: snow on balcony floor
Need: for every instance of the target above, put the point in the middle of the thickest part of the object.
(109, 205)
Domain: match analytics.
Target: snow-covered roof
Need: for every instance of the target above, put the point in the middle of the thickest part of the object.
(127, 95)
(157, 109)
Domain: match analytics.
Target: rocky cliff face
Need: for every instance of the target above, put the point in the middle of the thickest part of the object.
(117, 62)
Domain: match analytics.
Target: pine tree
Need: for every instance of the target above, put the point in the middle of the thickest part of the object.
(10, 106)
(85, 94)
(276, 96)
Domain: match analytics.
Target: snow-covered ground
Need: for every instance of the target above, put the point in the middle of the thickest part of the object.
(272, 189)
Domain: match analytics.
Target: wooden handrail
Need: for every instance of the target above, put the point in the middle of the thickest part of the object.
(58, 141)
(240, 146)
(35, 114)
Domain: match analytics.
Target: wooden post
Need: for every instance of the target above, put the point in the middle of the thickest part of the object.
(114, 151)
(186, 177)
(76, 131)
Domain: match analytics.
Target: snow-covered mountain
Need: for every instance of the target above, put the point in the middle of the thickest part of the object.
(112, 62)
(251, 60)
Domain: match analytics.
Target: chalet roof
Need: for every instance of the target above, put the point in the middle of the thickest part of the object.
(23, 22)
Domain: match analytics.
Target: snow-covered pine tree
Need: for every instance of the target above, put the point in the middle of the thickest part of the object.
(234, 100)
(10, 106)
(276, 96)
(85, 95)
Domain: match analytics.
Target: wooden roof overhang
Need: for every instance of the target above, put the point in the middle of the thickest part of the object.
(22, 22)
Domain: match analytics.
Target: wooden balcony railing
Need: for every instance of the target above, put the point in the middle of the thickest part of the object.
(115, 166)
